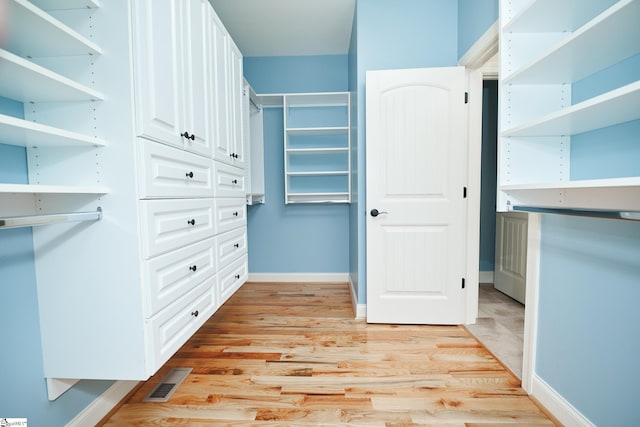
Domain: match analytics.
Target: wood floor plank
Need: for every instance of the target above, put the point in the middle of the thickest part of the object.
(293, 355)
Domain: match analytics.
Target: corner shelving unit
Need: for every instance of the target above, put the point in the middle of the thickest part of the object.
(317, 148)
(546, 47)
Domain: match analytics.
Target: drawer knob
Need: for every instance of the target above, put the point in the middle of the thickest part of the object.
(235, 213)
(237, 245)
(185, 134)
(189, 174)
(191, 221)
(235, 181)
(234, 155)
(193, 267)
(237, 276)
(195, 313)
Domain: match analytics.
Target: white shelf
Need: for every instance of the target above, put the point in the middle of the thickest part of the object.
(567, 15)
(318, 150)
(29, 134)
(66, 4)
(607, 39)
(605, 194)
(319, 198)
(318, 173)
(51, 189)
(325, 99)
(614, 107)
(52, 37)
(333, 130)
(25, 81)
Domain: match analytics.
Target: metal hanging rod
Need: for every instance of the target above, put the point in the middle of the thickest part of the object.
(628, 215)
(34, 220)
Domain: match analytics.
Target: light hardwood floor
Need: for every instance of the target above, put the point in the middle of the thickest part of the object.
(293, 355)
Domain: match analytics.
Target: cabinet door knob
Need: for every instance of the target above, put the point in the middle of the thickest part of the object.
(237, 276)
(189, 174)
(193, 267)
(237, 245)
(185, 134)
(235, 181)
(191, 221)
(195, 313)
(235, 213)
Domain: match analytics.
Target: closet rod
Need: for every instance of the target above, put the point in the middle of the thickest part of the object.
(254, 103)
(627, 215)
(33, 220)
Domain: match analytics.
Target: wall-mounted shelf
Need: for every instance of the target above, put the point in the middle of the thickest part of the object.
(608, 38)
(617, 106)
(66, 4)
(51, 189)
(546, 154)
(23, 133)
(53, 38)
(25, 81)
(317, 147)
(568, 15)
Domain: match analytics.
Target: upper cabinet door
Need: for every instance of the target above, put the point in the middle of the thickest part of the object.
(235, 105)
(218, 48)
(158, 86)
(196, 93)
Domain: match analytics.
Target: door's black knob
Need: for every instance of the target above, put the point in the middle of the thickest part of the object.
(237, 245)
(195, 313)
(189, 174)
(193, 268)
(235, 214)
(237, 276)
(235, 181)
(191, 221)
(375, 212)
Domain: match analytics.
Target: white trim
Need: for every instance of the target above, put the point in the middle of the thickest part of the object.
(557, 405)
(486, 277)
(360, 310)
(104, 403)
(531, 301)
(299, 277)
(483, 49)
(474, 160)
(56, 387)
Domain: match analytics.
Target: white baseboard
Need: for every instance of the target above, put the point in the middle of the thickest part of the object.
(486, 277)
(360, 310)
(557, 405)
(99, 408)
(299, 277)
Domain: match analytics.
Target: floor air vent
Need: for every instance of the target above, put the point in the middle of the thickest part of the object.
(170, 383)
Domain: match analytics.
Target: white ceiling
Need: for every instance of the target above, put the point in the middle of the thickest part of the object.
(288, 27)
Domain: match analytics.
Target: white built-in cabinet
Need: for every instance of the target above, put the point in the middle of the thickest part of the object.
(546, 47)
(133, 110)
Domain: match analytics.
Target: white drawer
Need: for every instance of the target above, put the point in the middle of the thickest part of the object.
(230, 214)
(170, 276)
(170, 224)
(231, 278)
(170, 172)
(230, 246)
(229, 181)
(168, 330)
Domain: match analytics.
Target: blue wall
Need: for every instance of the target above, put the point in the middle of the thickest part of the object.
(402, 34)
(588, 340)
(294, 238)
(488, 175)
(23, 393)
(474, 18)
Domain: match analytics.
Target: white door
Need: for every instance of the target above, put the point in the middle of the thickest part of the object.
(416, 156)
(511, 254)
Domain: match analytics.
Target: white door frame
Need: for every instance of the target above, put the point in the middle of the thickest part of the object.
(482, 56)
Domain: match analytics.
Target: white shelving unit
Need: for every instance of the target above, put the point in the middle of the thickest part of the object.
(66, 4)
(23, 133)
(317, 147)
(547, 47)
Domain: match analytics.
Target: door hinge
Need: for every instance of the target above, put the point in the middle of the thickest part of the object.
(466, 97)
(464, 192)
(463, 284)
